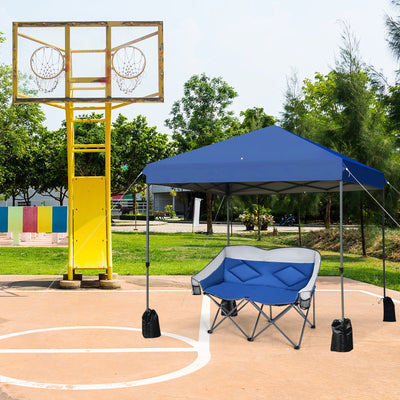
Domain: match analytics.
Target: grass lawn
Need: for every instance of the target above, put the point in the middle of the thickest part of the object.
(185, 254)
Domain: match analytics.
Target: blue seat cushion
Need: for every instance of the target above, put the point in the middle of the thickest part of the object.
(260, 294)
(290, 275)
(266, 282)
(285, 275)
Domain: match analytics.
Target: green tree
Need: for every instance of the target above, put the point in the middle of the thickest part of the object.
(202, 117)
(53, 166)
(20, 127)
(256, 118)
(134, 145)
(85, 132)
(393, 31)
(89, 164)
(342, 110)
(391, 92)
(19, 140)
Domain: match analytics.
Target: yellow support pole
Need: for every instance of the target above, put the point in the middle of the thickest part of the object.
(108, 107)
(108, 190)
(160, 61)
(15, 61)
(69, 114)
(71, 174)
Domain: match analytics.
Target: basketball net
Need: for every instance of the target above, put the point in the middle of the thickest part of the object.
(47, 63)
(128, 63)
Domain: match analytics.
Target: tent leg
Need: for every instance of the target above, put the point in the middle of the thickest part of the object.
(341, 249)
(389, 313)
(342, 331)
(227, 220)
(150, 322)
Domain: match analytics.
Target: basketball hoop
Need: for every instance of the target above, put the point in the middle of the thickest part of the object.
(47, 63)
(128, 63)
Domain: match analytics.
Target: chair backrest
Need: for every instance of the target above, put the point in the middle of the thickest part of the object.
(277, 274)
(292, 268)
(299, 257)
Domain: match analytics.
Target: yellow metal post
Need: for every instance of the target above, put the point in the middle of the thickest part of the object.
(108, 189)
(160, 61)
(69, 116)
(71, 174)
(15, 61)
(108, 152)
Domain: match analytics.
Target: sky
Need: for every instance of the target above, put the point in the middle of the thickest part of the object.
(255, 46)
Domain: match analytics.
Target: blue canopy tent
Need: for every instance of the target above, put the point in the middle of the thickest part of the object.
(271, 160)
(267, 161)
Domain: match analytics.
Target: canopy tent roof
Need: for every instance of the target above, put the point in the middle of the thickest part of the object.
(271, 160)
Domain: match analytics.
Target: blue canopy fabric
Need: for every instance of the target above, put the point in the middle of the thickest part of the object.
(271, 160)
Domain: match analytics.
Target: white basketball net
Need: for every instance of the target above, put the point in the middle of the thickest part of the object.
(128, 63)
(47, 63)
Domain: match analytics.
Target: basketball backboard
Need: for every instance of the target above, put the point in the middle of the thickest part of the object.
(88, 62)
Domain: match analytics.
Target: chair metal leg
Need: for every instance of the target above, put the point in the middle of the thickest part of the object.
(302, 330)
(272, 322)
(251, 338)
(225, 316)
(313, 302)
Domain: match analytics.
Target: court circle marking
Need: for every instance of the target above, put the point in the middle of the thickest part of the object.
(201, 347)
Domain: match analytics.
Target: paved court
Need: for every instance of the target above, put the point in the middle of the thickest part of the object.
(87, 344)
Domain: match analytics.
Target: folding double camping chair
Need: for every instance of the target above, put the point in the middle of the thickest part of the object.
(241, 275)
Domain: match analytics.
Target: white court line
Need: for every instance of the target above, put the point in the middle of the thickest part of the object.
(202, 347)
(84, 290)
(110, 350)
(356, 290)
(377, 295)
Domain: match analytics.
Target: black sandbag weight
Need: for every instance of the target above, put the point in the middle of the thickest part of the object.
(389, 314)
(342, 335)
(227, 306)
(150, 324)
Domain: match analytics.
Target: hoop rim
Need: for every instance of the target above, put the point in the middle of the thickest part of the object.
(123, 76)
(51, 77)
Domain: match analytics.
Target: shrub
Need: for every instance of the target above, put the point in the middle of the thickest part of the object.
(258, 216)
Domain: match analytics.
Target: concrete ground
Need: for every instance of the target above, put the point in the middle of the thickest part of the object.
(87, 344)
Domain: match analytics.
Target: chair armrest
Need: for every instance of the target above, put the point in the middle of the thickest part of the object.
(196, 290)
(208, 270)
(304, 299)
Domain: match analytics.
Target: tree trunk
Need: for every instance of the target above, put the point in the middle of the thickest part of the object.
(209, 214)
(298, 219)
(134, 209)
(328, 213)
(258, 220)
(364, 251)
